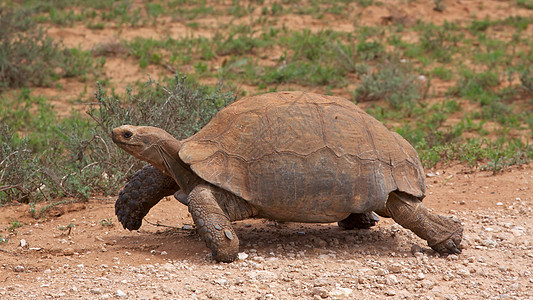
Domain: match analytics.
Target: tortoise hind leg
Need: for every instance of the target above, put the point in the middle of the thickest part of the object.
(144, 190)
(360, 221)
(442, 234)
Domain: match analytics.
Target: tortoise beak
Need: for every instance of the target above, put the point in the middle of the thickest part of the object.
(115, 134)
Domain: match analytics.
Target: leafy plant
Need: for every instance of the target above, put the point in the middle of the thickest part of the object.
(392, 81)
(14, 225)
(3, 240)
(66, 229)
(28, 57)
(525, 3)
(526, 79)
(107, 222)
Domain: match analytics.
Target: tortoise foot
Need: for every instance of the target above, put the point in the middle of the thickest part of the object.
(443, 234)
(359, 221)
(144, 190)
(452, 245)
(128, 212)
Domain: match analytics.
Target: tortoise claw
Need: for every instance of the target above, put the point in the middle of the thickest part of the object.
(452, 245)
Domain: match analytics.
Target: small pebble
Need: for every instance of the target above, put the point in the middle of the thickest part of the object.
(68, 251)
(341, 293)
(19, 269)
(120, 294)
(96, 291)
(320, 291)
(420, 276)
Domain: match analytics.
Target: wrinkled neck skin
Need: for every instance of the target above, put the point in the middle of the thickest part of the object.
(166, 158)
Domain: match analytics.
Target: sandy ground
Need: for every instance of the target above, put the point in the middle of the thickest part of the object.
(44, 259)
(279, 261)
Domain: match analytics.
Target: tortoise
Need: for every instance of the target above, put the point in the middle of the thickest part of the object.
(285, 156)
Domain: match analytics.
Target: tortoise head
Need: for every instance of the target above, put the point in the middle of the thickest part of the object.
(151, 144)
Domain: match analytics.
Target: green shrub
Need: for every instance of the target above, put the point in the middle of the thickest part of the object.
(75, 157)
(30, 58)
(18, 168)
(526, 79)
(392, 81)
(27, 55)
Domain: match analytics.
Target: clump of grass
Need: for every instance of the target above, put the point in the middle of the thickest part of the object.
(480, 152)
(66, 229)
(145, 51)
(526, 79)
(14, 224)
(475, 86)
(18, 168)
(442, 73)
(392, 81)
(525, 3)
(107, 222)
(28, 57)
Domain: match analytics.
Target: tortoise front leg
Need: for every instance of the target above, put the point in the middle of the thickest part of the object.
(212, 223)
(443, 234)
(144, 190)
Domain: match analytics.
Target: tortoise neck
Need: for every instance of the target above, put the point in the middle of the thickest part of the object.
(176, 168)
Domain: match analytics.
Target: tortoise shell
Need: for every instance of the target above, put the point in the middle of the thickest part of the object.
(304, 157)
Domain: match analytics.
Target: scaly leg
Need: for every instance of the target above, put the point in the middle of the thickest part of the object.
(144, 190)
(443, 234)
(212, 223)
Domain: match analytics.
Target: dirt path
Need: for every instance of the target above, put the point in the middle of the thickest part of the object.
(279, 261)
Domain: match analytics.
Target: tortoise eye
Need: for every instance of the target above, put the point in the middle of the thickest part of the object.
(127, 134)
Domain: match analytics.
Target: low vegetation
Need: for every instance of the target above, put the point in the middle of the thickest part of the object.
(458, 91)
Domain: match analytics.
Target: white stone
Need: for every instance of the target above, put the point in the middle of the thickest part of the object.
(121, 294)
(97, 291)
(341, 292)
(221, 281)
(262, 275)
(19, 268)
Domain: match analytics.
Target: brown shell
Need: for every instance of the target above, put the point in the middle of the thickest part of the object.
(304, 157)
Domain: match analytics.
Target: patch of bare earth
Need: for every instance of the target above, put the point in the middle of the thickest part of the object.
(280, 261)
